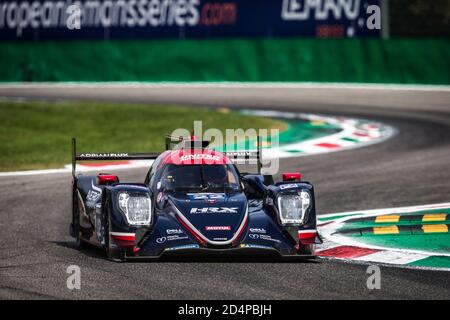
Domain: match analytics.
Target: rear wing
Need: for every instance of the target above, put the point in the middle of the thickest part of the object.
(246, 157)
(107, 156)
(238, 157)
(178, 142)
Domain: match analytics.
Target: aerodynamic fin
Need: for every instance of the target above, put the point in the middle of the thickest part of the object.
(247, 157)
(107, 156)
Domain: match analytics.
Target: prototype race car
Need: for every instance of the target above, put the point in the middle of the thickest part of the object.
(193, 200)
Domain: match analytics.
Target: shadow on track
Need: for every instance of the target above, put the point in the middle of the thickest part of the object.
(97, 253)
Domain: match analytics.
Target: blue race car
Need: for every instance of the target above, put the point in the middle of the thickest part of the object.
(193, 200)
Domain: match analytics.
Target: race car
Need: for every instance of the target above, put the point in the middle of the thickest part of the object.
(193, 200)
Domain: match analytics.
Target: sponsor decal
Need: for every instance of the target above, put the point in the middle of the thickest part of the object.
(188, 246)
(262, 237)
(161, 240)
(199, 156)
(159, 197)
(170, 238)
(257, 230)
(217, 228)
(206, 196)
(102, 155)
(214, 210)
(174, 231)
(254, 246)
(289, 186)
(94, 194)
(268, 238)
(220, 239)
(320, 9)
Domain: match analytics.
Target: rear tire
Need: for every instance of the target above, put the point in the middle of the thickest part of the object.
(75, 227)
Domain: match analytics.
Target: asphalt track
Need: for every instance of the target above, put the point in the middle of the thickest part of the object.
(410, 169)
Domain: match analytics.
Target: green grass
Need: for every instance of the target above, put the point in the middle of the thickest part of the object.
(437, 243)
(36, 135)
(435, 262)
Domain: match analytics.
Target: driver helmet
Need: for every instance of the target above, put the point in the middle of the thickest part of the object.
(216, 174)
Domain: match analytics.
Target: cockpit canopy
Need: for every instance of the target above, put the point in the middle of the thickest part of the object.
(199, 178)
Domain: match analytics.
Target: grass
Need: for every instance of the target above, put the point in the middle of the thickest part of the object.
(36, 135)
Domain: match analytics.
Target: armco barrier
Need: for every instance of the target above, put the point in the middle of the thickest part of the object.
(292, 59)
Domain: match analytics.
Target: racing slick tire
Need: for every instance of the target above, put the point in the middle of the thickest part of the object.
(113, 254)
(307, 250)
(75, 225)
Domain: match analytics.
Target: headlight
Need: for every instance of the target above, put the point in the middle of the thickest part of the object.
(136, 207)
(292, 207)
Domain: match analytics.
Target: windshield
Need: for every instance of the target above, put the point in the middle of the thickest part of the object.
(200, 178)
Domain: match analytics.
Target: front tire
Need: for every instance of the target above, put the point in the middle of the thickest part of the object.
(307, 250)
(113, 254)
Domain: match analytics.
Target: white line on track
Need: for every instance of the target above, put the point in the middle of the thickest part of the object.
(389, 210)
(225, 84)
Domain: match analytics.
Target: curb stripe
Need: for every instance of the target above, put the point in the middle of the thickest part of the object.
(392, 257)
(430, 217)
(435, 228)
(435, 217)
(337, 241)
(387, 218)
(386, 230)
(377, 212)
(328, 145)
(346, 252)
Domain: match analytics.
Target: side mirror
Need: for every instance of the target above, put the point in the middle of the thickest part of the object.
(292, 176)
(254, 186)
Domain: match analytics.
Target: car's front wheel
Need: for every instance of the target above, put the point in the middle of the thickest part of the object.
(307, 250)
(113, 253)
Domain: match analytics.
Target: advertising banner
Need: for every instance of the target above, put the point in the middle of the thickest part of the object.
(138, 19)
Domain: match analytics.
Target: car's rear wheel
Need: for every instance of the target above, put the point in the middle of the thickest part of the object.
(75, 227)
